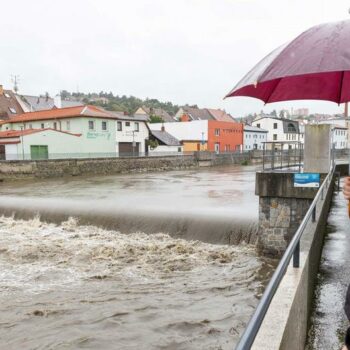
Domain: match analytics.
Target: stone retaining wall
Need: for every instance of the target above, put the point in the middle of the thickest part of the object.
(97, 166)
(19, 169)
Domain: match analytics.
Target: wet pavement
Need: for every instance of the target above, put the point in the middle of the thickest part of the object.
(328, 321)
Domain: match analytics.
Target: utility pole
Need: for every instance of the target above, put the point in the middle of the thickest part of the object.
(346, 110)
(15, 81)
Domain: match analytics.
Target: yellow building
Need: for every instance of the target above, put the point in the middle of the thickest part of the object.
(192, 146)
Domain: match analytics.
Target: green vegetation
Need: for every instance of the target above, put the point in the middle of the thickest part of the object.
(117, 103)
(156, 119)
(152, 144)
(245, 162)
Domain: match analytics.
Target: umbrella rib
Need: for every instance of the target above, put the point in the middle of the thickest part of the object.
(341, 87)
(273, 90)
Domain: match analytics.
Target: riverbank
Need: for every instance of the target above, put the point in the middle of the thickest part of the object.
(51, 168)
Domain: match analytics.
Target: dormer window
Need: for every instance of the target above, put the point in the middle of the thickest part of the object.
(12, 110)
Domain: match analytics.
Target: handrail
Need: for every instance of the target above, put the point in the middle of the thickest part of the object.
(293, 249)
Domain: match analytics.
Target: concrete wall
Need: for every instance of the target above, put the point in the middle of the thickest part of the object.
(10, 170)
(285, 324)
(317, 151)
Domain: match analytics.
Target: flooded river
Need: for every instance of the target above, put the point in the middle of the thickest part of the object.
(68, 285)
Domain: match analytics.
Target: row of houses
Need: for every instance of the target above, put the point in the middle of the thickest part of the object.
(91, 131)
(286, 130)
(33, 127)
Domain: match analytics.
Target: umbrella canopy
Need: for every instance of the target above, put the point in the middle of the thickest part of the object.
(313, 66)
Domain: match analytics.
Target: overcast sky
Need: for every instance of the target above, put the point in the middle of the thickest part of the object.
(183, 51)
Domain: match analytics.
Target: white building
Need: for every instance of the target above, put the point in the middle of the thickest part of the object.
(132, 134)
(253, 138)
(165, 143)
(280, 129)
(84, 131)
(339, 136)
(340, 122)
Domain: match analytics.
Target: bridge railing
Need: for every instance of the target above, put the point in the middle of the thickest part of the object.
(293, 250)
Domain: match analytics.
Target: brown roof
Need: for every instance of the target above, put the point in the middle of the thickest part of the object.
(9, 106)
(198, 113)
(60, 113)
(158, 112)
(221, 115)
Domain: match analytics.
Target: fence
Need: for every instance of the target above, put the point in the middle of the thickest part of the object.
(293, 250)
(11, 157)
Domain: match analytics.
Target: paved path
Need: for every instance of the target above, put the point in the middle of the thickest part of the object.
(328, 320)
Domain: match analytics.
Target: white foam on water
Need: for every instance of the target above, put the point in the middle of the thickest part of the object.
(137, 289)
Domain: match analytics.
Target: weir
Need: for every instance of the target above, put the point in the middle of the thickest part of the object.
(206, 227)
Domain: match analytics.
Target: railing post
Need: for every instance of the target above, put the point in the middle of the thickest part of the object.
(296, 255)
(322, 193)
(314, 214)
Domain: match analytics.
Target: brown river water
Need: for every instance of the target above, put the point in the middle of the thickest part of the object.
(69, 285)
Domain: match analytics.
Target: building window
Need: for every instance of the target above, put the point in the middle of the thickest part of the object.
(119, 126)
(12, 110)
(137, 127)
(275, 125)
(104, 126)
(68, 125)
(30, 126)
(179, 149)
(275, 137)
(91, 125)
(217, 132)
(127, 123)
(55, 125)
(258, 125)
(42, 126)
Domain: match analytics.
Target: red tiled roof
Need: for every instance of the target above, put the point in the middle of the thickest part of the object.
(18, 133)
(59, 113)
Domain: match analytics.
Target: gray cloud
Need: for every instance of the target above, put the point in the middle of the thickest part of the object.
(183, 51)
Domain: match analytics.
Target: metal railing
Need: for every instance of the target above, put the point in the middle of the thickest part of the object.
(282, 154)
(293, 249)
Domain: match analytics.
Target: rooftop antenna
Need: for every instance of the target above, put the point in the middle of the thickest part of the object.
(15, 81)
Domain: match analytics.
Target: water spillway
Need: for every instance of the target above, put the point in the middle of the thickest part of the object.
(129, 262)
(207, 227)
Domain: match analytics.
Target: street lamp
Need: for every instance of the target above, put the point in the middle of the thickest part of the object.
(22, 129)
(133, 143)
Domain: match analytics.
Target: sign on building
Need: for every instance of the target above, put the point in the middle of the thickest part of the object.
(307, 180)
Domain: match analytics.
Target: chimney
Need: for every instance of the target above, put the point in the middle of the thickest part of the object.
(162, 128)
(1, 90)
(57, 101)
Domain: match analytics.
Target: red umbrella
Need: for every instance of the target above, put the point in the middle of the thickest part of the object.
(313, 66)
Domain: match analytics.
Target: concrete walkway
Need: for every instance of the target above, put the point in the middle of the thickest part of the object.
(329, 321)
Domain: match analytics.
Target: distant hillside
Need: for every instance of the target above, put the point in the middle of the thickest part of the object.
(117, 103)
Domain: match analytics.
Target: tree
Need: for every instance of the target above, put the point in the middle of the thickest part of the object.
(274, 113)
(281, 114)
(64, 94)
(155, 119)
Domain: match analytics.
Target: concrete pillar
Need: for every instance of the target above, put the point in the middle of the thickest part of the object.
(281, 210)
(317, 149)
